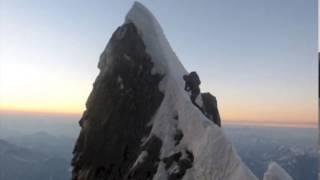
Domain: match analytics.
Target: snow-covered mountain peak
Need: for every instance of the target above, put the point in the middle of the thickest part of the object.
(140, 122)
(156, 42)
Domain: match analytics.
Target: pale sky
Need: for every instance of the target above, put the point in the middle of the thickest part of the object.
(259, 58)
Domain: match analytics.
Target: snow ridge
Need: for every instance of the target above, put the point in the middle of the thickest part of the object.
(214, 155)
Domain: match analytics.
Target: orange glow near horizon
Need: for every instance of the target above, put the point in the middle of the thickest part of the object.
(25, 88)
(62, 101)
(271, 114)
(51, 92)
(230, 115)
(62, 110)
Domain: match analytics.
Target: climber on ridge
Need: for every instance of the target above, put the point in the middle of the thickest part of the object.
(192, 84)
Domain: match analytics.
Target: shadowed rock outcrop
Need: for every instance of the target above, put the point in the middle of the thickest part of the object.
(124, 98)
(178, 163)
(210, 107)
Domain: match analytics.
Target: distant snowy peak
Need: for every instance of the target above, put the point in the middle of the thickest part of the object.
(275, 172)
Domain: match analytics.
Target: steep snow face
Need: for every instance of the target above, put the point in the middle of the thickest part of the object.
(157, 45)
(213, 155)
(275, 172)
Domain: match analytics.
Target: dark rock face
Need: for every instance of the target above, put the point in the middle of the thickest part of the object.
(124, 98)
(211, 108)
(178, 136)
(147, 168)
(178, 163)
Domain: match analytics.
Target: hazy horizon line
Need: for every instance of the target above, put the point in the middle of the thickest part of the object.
(305, 124)
(39, 112)
(274, 123)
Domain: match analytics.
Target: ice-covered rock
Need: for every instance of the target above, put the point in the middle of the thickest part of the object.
(139, 121)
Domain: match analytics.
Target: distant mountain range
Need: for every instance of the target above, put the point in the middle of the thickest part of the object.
(37, 162)
(295, 149)
(41, 156)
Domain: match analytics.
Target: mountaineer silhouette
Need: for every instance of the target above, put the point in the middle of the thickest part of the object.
(192, 85)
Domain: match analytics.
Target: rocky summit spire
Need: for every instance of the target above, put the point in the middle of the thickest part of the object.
(120, 108)
(140, 123)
